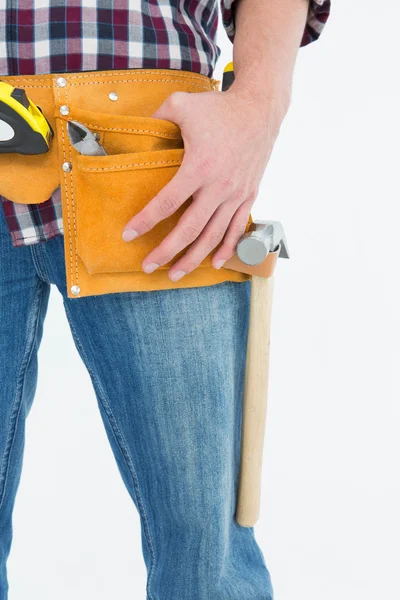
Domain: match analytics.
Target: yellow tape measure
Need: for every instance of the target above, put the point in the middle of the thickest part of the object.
(228, 77)
(23, 127)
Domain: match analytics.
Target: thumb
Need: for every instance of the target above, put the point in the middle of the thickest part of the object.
(172, 108)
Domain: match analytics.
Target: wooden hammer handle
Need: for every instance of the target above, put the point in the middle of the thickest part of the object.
(254, 402)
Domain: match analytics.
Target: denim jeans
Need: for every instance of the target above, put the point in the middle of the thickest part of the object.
(168, 371)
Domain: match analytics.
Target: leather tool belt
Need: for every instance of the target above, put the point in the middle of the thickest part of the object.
(101, 193)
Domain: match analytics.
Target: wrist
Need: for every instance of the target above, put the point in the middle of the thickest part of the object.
(272, 100)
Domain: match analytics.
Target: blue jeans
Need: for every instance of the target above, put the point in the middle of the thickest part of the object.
(168, 371)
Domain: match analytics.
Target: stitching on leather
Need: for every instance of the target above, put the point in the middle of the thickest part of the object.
(117, 167)
(75, 230)
(151, 72)
(191, 77)
(71, 179)
(102, 128)
(20, 78)
(192, 81)
(204, 87)
(66, 191)
(37, 86)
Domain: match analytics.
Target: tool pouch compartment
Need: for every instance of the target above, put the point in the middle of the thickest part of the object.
(143, 154)
(118, 188)
(102, 193)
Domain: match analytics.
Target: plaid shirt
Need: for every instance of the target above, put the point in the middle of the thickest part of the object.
(58, 36)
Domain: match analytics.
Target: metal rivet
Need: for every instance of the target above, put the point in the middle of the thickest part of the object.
(113, 96)
(67, 167)
(64, 110)
(61, 82)
(75, 290)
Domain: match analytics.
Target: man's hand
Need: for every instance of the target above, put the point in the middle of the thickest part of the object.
(228, 138)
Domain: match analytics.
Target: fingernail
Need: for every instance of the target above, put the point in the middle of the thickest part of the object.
(219, 263)
(177, 275)
(150, 267)
(129, 235)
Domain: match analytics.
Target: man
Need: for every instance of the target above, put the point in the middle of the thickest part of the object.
(167, 366)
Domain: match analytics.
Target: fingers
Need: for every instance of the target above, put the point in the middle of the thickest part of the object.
(165, 203)
(232, 223)
(225, 224)
(211, 236)
(235, 231)
(189, 227)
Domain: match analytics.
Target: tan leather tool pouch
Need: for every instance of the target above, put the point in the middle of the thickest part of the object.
(100, 194)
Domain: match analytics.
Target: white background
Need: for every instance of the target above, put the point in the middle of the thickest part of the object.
(330, 525)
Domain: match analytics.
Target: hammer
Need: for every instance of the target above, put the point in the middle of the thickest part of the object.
(256, 254)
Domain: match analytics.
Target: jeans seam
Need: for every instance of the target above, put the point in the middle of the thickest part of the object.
(123, 447)
(17, 403)
(39, 265)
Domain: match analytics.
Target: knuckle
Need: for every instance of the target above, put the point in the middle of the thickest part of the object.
(168, 205)
(175, 100)
(202, 166)
(252, 196)
(215, 237)
(235, 233)
(236, 196)
(228, 247)
(191, 231)
(240, 192)
(203, 211)
(227, 181)
(239, 228)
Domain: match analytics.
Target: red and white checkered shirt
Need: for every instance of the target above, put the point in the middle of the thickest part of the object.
(59, 36)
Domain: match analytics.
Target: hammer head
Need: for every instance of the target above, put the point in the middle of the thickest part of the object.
(262, 238)
(258, 249)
